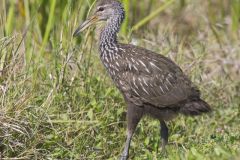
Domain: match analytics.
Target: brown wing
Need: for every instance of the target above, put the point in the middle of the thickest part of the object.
(154, 79)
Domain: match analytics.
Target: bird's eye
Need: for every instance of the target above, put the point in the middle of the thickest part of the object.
(100, 9)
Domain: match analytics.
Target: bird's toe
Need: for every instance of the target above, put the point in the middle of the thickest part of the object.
(123, 157)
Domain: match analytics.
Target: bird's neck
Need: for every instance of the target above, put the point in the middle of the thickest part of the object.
(108, 36)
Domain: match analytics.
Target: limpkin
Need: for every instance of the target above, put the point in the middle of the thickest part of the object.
(150, 83)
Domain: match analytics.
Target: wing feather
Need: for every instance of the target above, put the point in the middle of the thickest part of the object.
(154, 79)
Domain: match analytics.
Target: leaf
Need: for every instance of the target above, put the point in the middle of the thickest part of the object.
(90, 114)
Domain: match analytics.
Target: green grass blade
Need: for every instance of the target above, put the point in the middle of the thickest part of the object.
(125, 25)
(10, 18)
(27, 11)
(2, 17)
(49, 24)
(152, 15)
(235, 15)
(3, 52)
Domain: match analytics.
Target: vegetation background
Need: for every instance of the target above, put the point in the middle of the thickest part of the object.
(57, 101)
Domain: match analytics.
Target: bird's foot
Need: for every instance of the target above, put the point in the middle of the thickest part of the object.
(163, 150)
(163, 147)
(123, 158)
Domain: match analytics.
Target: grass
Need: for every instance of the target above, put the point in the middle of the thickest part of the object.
(57, 101)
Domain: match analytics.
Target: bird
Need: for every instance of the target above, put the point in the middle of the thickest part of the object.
(150, 83)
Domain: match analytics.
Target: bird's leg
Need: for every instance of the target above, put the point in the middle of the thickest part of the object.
(164, 135)
(127, 146)
(134, 114)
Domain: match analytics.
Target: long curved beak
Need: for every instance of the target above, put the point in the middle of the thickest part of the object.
(92, 20)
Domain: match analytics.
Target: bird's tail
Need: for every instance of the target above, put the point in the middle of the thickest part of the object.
(196, 107)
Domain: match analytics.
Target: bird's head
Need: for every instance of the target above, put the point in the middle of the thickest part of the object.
(105, 10)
